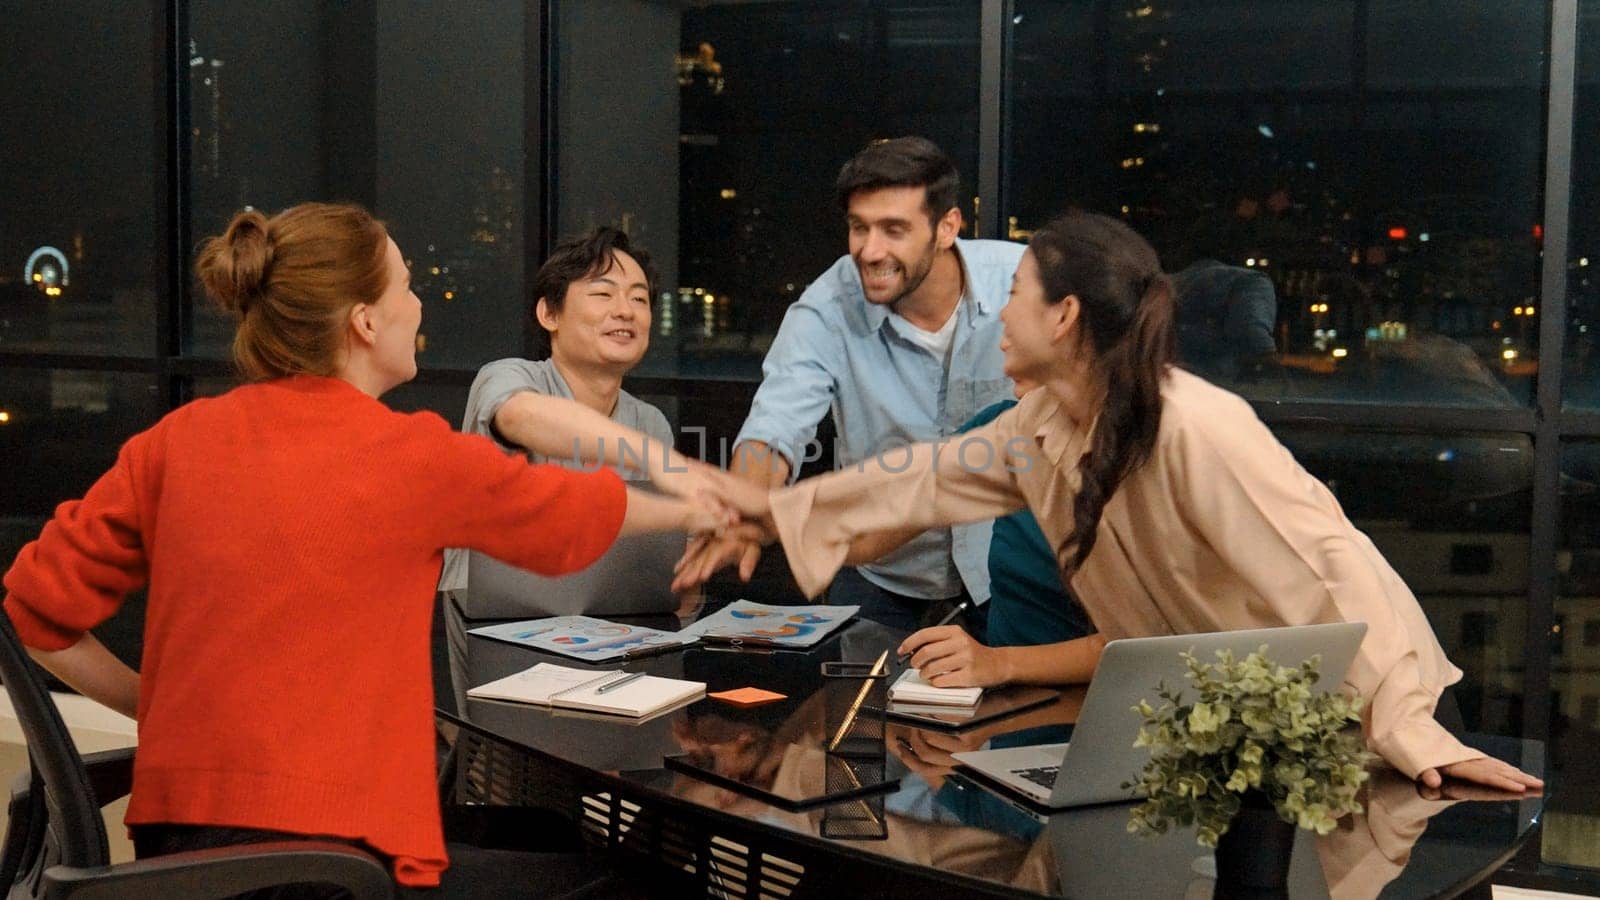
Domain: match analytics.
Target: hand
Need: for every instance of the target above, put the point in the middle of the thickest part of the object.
(947, 656)
(1485, 771)
(705, 555)
(691, 480)
(1456, 791)
(930, 754)
(707, 516)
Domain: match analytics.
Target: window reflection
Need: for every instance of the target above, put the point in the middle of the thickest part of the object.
(81, 250)
(1582, 384)
(740, 115)
(1379, 164)
(1451, 514)
(60, 429)
(414, 110)
(1575, 670)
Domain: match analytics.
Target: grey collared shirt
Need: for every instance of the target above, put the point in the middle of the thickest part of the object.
(496, 383)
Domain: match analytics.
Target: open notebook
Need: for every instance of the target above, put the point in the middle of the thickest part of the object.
(909, 688)
(566, 688)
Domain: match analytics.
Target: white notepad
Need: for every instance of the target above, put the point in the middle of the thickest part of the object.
(567, 688)
(910, 688)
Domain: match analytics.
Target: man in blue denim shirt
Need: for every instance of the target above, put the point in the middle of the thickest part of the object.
(901, 339)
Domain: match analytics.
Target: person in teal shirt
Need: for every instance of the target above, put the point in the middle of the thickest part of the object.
(1037, 633)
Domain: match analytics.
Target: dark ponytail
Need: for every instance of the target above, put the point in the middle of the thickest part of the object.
(1125, 309)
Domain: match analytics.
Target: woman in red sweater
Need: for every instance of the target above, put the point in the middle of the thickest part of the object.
(290, 533)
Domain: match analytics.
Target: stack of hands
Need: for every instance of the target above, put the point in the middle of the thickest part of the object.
(730, 519)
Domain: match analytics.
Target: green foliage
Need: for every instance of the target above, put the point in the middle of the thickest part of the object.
(1253, 725)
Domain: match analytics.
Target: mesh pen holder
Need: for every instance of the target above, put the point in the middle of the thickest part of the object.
(854, 701)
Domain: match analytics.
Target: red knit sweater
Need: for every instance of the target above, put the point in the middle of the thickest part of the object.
(291, 533)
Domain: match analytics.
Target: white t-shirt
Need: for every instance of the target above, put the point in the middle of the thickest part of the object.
(936, 342)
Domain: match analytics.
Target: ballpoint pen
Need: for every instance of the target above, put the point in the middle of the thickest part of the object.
(652, 649)
(963, 606)
(861, 696)
(612, 685)
(737, 640)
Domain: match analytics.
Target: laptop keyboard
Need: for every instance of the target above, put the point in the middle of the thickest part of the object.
(1043, 776)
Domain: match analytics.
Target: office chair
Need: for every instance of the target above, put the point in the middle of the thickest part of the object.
(55, 842)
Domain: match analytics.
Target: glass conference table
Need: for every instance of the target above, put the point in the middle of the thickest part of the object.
(939, 828)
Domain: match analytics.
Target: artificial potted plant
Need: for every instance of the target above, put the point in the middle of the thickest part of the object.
(1255, 753)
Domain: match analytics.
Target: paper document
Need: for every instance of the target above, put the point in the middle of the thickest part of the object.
(794, 627)
(584, 637)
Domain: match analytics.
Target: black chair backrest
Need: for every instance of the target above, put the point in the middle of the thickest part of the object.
(70, 803)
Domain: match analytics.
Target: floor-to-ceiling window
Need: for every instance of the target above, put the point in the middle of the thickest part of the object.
(1386, 169)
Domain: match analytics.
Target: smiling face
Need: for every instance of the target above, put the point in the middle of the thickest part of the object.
(893, 242)
(1034, 329)
(604, 320)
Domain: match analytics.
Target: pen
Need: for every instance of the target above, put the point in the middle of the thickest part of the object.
(736, 640)
(611, 685)
(652, 649)
(850, 715)
(901, 658)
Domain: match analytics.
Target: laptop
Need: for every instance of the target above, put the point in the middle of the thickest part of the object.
(1093, 766)
(631, 578)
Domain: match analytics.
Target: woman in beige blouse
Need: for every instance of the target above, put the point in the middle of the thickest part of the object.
(1172, 508)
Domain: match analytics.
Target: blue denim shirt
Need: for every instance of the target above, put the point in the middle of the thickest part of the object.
(837, 351)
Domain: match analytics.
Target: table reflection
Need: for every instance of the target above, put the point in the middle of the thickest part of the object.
(1407, 843)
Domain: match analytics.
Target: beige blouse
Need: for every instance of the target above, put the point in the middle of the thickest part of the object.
(1219, 530)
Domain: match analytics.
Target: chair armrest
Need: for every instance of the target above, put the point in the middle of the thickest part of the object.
(225, 871)
(110, 774)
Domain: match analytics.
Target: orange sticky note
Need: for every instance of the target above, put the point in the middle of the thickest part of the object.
(747, 696)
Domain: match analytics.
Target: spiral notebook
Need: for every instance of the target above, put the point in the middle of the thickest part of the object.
(562, 687)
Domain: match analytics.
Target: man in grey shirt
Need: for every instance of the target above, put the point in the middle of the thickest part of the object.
(591, 334)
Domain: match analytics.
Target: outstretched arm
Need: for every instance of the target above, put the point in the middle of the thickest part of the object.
(927, 485)
(558, 428)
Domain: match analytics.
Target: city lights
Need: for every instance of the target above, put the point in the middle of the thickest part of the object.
(1340, 353)
(5, 417)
